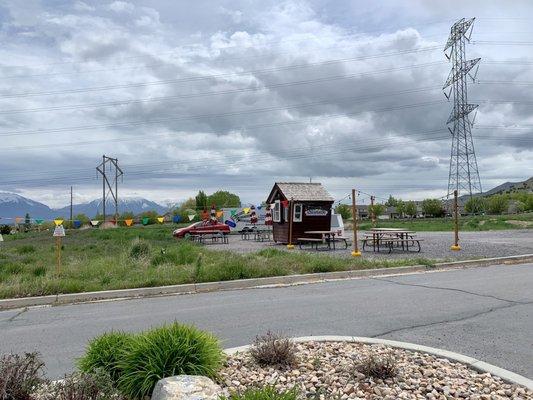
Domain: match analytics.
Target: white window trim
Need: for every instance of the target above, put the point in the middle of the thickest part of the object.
(276, 214)
(297, 212)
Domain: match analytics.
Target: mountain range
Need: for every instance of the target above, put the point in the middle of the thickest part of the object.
(13, 205)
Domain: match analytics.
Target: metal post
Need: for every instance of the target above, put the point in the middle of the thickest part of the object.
(290, 245)
(456, 246)
(116, 191)
(355, 252)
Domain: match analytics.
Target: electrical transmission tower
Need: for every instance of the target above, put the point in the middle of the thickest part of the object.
(112, 166)
(464, 175)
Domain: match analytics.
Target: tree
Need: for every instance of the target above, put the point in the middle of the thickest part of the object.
(400, 207)
(497, 204)
(475, 205)
(201, 200)
(223, 198)
(433, 207)
(410, 209)
(391, 202)
(377, 209)
(27, 223)
(151, 215)
(344, 210)
(82, 218)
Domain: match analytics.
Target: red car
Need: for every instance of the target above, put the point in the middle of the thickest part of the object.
(201, 227)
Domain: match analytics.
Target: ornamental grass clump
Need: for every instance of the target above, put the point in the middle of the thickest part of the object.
(139, 249)
(273, 349)
(378, 366)
(104, 352)
(170, 350)
(265, 393)
(20, 375)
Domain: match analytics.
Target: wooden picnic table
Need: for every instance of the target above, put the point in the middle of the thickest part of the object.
(327, 237)
(390, 236)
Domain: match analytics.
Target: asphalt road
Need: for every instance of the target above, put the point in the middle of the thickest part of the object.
(485, 313)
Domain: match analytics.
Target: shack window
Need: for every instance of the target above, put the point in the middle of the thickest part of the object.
(277, 212)
(286, 214)
(297, 215)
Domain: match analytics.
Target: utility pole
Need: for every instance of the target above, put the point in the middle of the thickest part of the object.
(464, 174)
(455, 245)
(71, 204)
(355, 252)
(106, 184)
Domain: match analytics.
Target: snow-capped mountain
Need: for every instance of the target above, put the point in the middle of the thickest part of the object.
(13, 205)
(136, 205)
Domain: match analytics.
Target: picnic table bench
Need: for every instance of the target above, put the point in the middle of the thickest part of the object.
(215, 237)
(329, 238)
(391, 238)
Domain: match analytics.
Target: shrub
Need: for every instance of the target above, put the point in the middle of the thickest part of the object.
(104, 352)
(380, 367)
(475, 205)
(19, 376)
(81, 386)
(265, 393)
(273, 349)
(174, 349)
(497, 204)
(26, 249)
(139, 249)
(5, 229)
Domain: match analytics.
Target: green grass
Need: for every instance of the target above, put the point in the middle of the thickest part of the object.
(96, 259)
(474, 223)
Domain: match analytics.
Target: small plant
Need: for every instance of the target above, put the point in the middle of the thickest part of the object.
(198, 268)
(139, 249)
(174, 349)
(104, 352)
(378, 366)
(5, 229)
(265, 393)
(81, 386)
(273, 349)
(20, 375)
(26, 249)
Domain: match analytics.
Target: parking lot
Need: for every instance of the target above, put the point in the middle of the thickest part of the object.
(435, 245)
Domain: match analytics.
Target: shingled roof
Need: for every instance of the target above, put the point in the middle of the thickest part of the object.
(304, 191)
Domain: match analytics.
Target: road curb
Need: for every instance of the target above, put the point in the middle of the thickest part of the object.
(476, 364)
(250, 283)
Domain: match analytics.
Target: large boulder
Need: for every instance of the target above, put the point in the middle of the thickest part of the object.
(186, 387)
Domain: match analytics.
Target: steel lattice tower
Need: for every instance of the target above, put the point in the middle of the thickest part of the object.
(464, 175)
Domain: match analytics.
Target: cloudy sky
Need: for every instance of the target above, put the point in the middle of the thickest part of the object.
(236, 95)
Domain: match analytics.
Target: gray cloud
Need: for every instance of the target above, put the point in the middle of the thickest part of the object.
(344, 123)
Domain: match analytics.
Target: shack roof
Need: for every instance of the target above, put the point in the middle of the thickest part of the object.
(301, 191)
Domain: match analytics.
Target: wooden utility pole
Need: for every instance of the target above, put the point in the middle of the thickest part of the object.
(71, 204)
(372, 214)
(355, 252)
(455, 245)
(290, 245)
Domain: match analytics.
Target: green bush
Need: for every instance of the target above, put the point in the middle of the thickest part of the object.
(5, 229)
(265, 393)
(104, 352)
(497, 204)
(475, 205)
(174, 349)
(139, 249)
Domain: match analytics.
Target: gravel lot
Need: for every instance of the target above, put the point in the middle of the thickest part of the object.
(334, 371)
(435, 245)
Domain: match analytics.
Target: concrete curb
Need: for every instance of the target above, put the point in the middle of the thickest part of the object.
(478, 365)
(250, 283)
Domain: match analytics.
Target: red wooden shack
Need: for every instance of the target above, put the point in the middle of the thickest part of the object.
(306, 205)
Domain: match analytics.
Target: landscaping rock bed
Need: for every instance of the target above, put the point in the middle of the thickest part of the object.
(332, 370)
